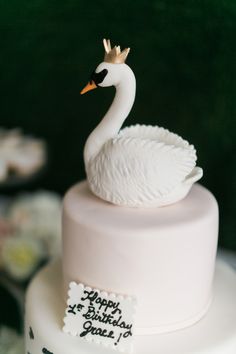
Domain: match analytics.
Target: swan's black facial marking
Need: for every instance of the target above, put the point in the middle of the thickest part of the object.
(98, 77)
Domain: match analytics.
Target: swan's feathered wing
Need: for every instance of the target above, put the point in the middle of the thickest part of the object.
(140, 165)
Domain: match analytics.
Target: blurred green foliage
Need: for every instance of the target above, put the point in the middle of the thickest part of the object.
(183, 54)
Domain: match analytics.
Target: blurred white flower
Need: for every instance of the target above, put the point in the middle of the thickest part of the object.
(21, 255)
(39, 215)
(20, 154)
(5, 232)
(10, 342)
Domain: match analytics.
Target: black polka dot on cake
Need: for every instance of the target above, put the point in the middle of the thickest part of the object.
(45, 351)
(31, 333)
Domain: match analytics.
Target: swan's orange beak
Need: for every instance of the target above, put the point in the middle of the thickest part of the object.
(90, 86)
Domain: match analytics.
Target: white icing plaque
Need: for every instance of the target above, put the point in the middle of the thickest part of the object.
(100, 317)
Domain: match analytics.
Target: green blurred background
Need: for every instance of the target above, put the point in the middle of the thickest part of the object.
(183, 54)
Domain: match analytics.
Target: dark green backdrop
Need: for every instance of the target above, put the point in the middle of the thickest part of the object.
(182, 52)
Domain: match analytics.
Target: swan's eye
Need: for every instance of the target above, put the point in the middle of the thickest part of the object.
(98, 77)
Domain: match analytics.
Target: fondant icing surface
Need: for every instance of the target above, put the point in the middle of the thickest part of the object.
(215, 333)
(164, 257)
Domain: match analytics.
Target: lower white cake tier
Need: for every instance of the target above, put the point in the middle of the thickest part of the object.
(164, 257)
(215, 333)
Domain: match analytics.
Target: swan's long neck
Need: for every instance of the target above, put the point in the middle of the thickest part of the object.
(114, 118)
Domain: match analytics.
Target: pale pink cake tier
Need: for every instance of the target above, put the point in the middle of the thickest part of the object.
(45, 310)
(165, 257)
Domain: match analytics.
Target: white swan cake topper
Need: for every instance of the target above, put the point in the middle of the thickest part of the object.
(140, 165)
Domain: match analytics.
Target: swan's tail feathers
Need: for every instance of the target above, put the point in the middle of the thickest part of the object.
(194, 176)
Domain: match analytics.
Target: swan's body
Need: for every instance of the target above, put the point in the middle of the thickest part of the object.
(139, 166)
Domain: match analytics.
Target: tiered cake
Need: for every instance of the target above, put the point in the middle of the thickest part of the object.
(139, 247)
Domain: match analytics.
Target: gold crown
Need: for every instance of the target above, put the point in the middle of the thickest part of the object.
(114, 55)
